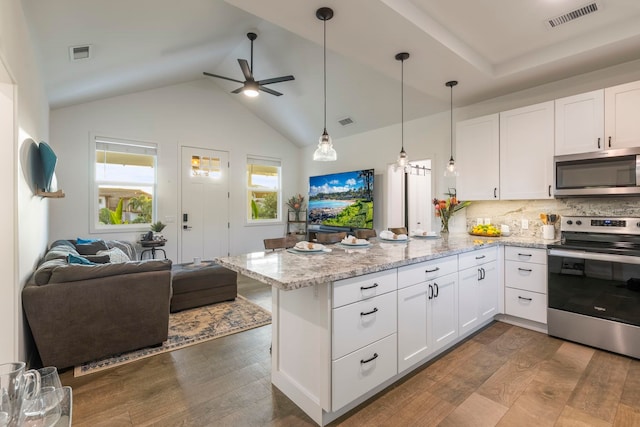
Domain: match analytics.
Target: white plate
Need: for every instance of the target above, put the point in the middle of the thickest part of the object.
(421, 236)
(355, 244)
(316, 248)
(394, 240)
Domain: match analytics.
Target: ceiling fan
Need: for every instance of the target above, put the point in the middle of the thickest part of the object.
(251, 86)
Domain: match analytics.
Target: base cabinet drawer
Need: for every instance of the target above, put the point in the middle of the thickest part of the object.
(364, 287)
(361, 323)
(355, 374)
(525, 304)
(526, 276)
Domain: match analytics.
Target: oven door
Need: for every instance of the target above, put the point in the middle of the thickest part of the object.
(593, 284)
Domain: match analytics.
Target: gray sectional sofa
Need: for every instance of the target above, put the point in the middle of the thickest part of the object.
(78, 312)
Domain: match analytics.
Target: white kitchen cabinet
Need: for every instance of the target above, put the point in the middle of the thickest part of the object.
(579, 124)
(621, 106)
(478, 158)
(477, 288)
(427, 311)
(525, 280)
(526, 152)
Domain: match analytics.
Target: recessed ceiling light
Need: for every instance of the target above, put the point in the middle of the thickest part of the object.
(79, 53)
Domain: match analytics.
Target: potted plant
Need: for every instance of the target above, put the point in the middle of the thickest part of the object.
(157, 227)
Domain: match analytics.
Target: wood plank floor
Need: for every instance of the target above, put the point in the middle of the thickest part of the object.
(502, 376)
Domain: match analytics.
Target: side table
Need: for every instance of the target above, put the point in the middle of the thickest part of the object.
(152, 246)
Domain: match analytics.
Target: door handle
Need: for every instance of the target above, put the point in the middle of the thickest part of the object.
(495, 192)
(598, 142)
(435, 285)
(430, 294)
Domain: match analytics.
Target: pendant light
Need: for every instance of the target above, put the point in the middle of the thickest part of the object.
(403, 159)
(325, 151)
(450, 169)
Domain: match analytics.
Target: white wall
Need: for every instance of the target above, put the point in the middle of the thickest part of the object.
(195, 114)
(23, 216)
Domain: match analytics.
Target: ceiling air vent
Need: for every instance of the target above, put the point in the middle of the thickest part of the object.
(574, 14)
(79, 53)
(346, 121)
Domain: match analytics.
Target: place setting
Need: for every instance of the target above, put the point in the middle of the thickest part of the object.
(391, 237)
(308, 248)
(350, 243)
(426, 235)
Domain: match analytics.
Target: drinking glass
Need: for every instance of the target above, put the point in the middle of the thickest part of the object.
(43, 410)
(16, 384)
(49, 378)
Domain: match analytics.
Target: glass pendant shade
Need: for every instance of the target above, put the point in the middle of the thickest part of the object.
(325, 151)
(403, 159)
(450, 169)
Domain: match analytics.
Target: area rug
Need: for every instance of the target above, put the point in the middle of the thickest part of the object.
(191, 327)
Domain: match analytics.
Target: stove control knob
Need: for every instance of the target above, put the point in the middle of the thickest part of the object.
(569, 222)
(578, 222)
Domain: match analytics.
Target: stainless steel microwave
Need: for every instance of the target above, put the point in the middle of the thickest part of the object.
(602, 173)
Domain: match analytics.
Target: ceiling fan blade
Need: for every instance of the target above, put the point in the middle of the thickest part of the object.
(238, 90)
(275, 80)
(271, 91)
(221, 77)
(244, 65)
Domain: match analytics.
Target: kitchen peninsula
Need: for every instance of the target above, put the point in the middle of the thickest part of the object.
(349, 322)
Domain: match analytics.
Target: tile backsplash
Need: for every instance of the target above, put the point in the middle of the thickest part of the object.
(512, 212)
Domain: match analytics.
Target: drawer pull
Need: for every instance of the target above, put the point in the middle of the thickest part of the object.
(432, 271)
(371, 359)
(481, 256)
(375, 310)
(526, 299)
(364, 288)
(519, 254)
(528, 270)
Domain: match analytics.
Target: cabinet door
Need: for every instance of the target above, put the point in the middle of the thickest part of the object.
(526, 152)
(468, 311)
(488, 291)
(443, 308)
(622, 127)
(477, 156)
(580, 123)
(413, 340)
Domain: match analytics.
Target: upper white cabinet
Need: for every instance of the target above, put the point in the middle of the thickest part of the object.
(478, 158)
(526, 152)
(580, 123)
(622, 104)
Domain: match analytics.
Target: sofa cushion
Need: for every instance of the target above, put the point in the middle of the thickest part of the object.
(115, 255)
(98, 259)
(42, 275)
(91, 248)
(124, 246)
(73, 273)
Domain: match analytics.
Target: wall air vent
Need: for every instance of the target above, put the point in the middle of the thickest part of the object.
(346, 121)
(80, 53)
(574, 14)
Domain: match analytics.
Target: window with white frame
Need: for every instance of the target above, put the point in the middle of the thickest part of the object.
(124, 184)
(263, 190)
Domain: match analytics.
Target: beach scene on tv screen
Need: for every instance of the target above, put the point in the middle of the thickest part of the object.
(342, 199)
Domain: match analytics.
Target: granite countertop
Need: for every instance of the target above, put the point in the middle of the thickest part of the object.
(285, 270)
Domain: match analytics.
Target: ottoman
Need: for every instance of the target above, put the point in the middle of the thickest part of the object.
(198, 285)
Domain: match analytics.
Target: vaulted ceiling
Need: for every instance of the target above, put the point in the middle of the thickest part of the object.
(492, 47)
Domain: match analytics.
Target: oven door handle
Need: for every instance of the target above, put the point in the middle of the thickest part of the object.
(595, 256)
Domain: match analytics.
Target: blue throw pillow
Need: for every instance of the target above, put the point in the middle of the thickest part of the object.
(81, 241)
(75, 259)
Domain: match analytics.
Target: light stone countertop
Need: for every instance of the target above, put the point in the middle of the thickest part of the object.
(285, 270)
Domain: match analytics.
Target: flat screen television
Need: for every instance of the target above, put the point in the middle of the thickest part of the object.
(342, 200)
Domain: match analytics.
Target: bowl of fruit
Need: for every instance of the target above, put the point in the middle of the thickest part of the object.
(486, 230)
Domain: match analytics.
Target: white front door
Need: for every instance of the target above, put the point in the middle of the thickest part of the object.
(205, 204)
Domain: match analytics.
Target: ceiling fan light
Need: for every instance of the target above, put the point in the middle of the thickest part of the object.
(250, 89)
(325, 151)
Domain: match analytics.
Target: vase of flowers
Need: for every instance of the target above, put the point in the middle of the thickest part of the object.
(445, 208)
(296, 204)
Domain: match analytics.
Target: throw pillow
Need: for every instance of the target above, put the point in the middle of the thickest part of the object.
(81, 241)
(74, 259)
(43, 273)
(91, 248)
(116, 255)
(98, 259)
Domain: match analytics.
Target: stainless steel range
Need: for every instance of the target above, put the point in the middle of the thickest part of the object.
(594, 283)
